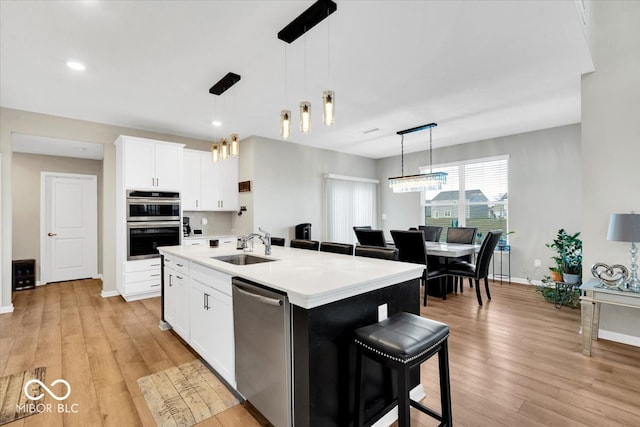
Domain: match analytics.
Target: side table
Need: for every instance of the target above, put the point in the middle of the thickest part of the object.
(506, 249)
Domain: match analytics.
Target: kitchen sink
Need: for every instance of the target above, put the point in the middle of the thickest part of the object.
(242, 259)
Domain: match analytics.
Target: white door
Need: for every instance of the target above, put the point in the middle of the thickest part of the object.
(69, 227)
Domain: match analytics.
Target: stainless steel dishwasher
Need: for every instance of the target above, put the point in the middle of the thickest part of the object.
(262, 329)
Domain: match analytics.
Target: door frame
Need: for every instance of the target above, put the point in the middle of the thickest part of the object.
(43, 188)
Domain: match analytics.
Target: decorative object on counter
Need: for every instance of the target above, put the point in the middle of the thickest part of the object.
(316, 13)
(214, 243)
(223, 148)
(167, 394)
(626, 228)
(420, 182)
(610, 277)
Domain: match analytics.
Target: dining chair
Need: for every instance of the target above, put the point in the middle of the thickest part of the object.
(411, 248)
(370, 237)
(464, 235)
(362, 227)
(336, 248)
(312, 245)
(431, 232)
(377, 252)
(479, 270)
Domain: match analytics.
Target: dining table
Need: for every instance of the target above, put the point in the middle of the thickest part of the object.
(451, 250)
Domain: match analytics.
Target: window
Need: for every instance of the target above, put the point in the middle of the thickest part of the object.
(349, 202)
(476, 195)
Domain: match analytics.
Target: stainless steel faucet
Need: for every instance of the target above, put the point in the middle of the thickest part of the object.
(266, 240)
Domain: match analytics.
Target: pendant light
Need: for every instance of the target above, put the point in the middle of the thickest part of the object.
(285, 115)
(305, 106)
(234, 147)
(215, 153)
(420, 182)
(224, 149)
(328, 96)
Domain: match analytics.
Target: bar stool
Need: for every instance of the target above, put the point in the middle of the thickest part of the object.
(401, 342)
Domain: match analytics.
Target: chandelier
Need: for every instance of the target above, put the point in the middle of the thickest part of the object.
(420, 182)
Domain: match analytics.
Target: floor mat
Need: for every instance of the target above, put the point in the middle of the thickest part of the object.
(14, 404)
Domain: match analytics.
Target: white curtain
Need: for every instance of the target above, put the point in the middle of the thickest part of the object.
(349, 202)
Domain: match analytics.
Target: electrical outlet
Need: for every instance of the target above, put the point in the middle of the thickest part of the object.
(537, 263)
(382, 312)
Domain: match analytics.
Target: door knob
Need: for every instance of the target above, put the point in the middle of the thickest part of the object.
(51, 234)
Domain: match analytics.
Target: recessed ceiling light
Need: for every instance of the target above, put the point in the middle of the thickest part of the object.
(216, 123)
(74, 65)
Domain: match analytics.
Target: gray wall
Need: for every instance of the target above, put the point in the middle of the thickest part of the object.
(611, 142)
(544, 190)
(288, 184)
(26, 199)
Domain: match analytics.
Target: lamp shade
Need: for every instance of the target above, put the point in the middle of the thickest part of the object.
(624, 228)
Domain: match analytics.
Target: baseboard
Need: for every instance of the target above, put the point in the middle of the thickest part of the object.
(108, 294)
(518, 280)
(618, 337)
(417, 394)
(6, 309)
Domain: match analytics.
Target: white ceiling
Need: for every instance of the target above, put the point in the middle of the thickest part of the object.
(480, 69)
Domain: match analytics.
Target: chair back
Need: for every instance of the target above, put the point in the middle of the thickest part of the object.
(277, 241)
(362, 227)
(431, 232)
(312, 245)
(370, 237)
(336, 248)
(410, 245)
(461, 234)
(486, 252)
(377, 252)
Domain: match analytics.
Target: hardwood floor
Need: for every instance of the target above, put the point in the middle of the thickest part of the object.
(516, 361)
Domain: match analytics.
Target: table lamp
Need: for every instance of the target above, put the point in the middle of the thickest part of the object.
(626, 228)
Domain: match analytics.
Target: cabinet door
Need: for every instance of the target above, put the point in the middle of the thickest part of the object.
(170, 300)
(209, 191)
(168, 166)
(139, 163)
(228, 184)
(222, 347)
(191, 181)
(181, 296)
(199, 318)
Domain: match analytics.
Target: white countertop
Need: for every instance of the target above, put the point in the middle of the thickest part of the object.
(310, 278)
(210, 236)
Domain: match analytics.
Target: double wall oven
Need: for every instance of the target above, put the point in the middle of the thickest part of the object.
(153, 220)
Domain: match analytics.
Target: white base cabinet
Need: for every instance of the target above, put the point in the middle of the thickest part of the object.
(141, 279)
(198, 306)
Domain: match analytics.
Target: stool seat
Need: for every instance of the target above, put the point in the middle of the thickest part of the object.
(402, 337)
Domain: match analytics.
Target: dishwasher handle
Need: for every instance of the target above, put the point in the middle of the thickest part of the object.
(260, 298)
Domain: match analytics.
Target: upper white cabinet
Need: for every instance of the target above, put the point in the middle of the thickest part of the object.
(209, 186)
(149, 164)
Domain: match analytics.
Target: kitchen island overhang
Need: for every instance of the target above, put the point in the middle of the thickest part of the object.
(331, 295)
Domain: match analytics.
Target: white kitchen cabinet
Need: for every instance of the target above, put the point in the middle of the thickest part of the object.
(211, 314)
(176, 295)
(209, 186)
(141, 279)
(150, 164)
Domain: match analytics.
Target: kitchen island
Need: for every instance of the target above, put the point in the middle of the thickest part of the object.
(329, 296)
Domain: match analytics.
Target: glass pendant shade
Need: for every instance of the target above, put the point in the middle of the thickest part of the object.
(328, 107)
(234, 148)
(422, 182)
(224, 148)
(215, 153)
(305, 117)
(285, 124)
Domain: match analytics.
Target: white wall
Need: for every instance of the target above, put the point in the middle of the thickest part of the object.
(611, 142)
(288, 184)
(544, 190)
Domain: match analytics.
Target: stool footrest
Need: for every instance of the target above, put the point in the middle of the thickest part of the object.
(419, 406)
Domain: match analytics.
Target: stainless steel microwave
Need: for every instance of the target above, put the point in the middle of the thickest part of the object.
(153, 206)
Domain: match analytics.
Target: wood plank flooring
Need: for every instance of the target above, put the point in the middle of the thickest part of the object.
(516, 361)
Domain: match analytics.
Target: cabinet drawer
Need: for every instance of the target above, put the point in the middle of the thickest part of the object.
(141, 265)
(196, 242)
(176, 263)
(211, 278)
(139, 276)
(176, 278)
(144, 286)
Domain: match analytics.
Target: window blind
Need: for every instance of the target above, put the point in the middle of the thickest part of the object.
(349, 202)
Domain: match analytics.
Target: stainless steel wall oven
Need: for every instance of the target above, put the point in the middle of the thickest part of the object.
(153, 220)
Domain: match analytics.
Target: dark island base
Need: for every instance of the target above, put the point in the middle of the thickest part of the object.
(324, 356)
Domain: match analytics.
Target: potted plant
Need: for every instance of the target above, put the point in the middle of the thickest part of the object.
(503, 239)
(568, 257)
